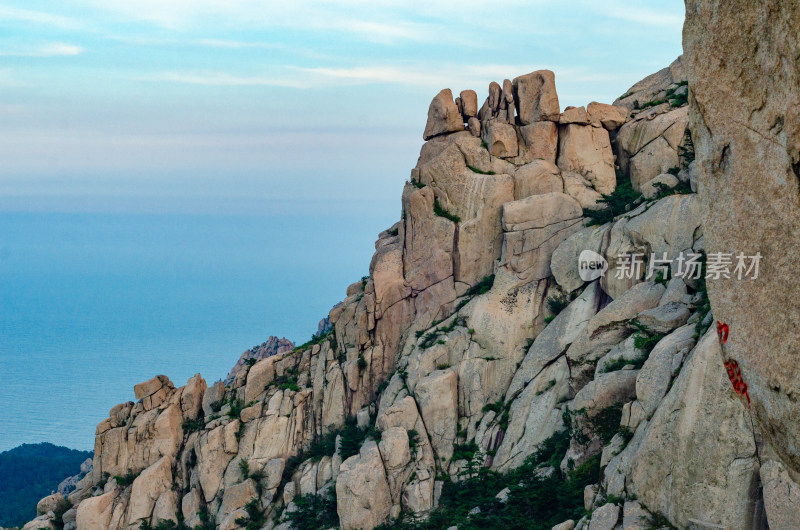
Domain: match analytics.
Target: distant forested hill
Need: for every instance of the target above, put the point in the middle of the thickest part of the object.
(30, 472)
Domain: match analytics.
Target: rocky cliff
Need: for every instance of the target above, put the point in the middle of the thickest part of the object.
(475, 378)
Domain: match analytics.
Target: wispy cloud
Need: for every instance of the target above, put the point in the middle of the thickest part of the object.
(51, 49)
(38, 17)
(218, 79)
(426, 76)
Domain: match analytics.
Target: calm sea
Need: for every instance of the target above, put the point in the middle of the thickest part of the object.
(91, 304)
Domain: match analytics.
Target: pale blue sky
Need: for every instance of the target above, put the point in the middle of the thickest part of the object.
(239, 105)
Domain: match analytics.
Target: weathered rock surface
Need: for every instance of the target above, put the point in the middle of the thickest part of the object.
(742, 67)
(473, 341)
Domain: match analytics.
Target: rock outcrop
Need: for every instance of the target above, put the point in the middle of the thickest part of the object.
(743, 68)
(475, 348)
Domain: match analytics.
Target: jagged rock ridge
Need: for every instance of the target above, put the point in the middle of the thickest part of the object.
(475, 342)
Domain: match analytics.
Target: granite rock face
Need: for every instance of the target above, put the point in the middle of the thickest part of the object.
(744, 73)
(475, 341)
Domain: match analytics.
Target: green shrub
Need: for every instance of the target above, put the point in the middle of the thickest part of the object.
(482, 287)
(557, 304)
(441, 212)
(127, 479)
(464, 451)
(353, 437)
(193, 425)
(615, 203)
(255, 518)
(314, 511)
(362, 363)
(533, 502)
(480, 171)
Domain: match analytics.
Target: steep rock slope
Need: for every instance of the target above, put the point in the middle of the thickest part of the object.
(474, 378)
(744, 69)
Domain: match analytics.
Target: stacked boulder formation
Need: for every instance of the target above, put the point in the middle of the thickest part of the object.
(476, 342)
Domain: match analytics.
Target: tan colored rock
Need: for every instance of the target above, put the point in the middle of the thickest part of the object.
(192, 397)
(153, 392)
(474, 127)
(566, 525)
(575, 115)
(534, 416)
(469, 103)
(607, 390)
(150, 387)
(42, 521)
(656, 375)
(654, 159)
(652, 187)
(537, 178)
(781, 496)
(665, 317)
(539, 141)
(501, 139)
(634, 516)
(535, 97)
(608, 327)
(581, 190)
(554, 340)
(747, 152)
(213, 395)
(146, 490)
(605, 517)
(437, 398)
(608, 116)
(166, 507)
(211, 462)
(168, 432)
(564, 262)
(587, 151)
(260, 376)
(363, 500)
(237, 496)
(696, 457)
(539, 211)
(534, 227)
(51, 503)
(443, 116)
(190, 506)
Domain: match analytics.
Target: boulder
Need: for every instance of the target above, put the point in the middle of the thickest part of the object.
(147, 488)
(469, 103)
(656, 375)
(587, 151)
(437, 398)
(537, 178)
(501, 139)
(363, 500)
(664, 318)
(609, 327)
(605, 517)
(51, 503)
(564, 262)
(605, 391)
(539, 141)
(535, 97)
(575, 115)
(443, 116)
(534, 227)
(652, 187)
(192, 397)
(608, 116)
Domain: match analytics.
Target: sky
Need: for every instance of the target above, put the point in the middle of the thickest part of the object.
(240, 106)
